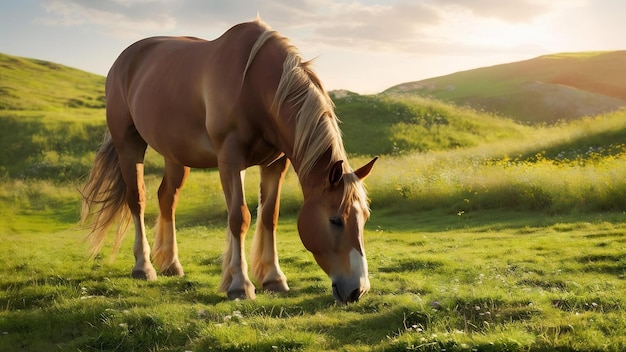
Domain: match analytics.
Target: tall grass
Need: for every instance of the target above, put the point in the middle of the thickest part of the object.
(573, 167)
(463, 182)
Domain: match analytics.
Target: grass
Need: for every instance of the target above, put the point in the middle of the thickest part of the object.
(49, 145)
(522, 281)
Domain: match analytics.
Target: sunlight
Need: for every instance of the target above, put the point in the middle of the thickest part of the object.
(505, 35)
(470, 31)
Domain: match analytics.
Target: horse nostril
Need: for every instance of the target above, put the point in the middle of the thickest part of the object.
(354, 296)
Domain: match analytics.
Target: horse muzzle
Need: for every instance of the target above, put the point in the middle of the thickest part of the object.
(345, 294)
(348, 289)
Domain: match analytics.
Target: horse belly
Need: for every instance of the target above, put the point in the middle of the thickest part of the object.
(188, 150)
(178, 139)
(196, 154)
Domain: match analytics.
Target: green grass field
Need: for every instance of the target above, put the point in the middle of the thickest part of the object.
(494, 281)
(486, 235)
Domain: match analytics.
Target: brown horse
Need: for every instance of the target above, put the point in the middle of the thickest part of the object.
(243, 99)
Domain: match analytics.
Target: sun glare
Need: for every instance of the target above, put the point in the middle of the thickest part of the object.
(471, 31)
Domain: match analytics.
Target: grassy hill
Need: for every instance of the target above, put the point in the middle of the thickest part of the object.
(381, 124)
(29, 84)
(544, 89)
(51, 119)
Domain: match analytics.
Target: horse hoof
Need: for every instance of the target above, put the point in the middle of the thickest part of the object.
(149, 275)
(173, 270)
(241, 294)
(276, 286)
(236, 295)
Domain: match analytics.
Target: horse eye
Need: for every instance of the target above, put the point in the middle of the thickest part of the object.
(336, 221)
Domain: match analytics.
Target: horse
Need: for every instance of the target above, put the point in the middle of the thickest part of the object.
(244, 99)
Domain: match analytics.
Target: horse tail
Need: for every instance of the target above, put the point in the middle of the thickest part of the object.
(104, 198)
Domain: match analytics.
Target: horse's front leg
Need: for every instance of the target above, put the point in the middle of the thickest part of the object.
(264, 256)
(165, 250)
(235, 281)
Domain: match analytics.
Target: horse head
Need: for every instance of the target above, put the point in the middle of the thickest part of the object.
(331, 225)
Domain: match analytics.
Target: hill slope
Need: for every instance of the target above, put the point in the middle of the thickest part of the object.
(51, 119)
(30, 84)
(383, 124)
(544, 89)
(49, 128)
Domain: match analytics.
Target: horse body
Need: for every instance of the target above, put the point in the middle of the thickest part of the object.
(147, 85)
(243, 99)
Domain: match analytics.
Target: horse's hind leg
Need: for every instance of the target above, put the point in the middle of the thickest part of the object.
(131, 149)
(165, 251)
(264, 257)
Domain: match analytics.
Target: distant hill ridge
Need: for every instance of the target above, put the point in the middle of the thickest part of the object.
(544, 89)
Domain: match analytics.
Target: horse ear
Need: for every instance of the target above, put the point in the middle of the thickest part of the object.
(365, 170)
(336, 173)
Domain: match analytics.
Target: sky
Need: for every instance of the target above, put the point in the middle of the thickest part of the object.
(364, 46)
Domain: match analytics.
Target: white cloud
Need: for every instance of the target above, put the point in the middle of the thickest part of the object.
(397, 37)
(417, 27)
(118, 18)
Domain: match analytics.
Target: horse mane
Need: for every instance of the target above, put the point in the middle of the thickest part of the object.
(317, 127)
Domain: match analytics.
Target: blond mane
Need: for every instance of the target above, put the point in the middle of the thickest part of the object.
(317, 127)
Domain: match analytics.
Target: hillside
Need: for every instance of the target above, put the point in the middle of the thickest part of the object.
(382, 124)
(544, 89)
(30, 84)
(52, 121)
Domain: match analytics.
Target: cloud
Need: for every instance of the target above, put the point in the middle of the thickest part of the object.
(374, 27)
(334, 22)
(132, 18)
(117, 18)
(407, 27)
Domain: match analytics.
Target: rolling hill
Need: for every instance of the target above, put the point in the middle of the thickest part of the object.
(30, 84)
(544, 89)
(52, 118)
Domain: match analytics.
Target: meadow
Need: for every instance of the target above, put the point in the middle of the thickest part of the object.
(486, 235)
(487, 248)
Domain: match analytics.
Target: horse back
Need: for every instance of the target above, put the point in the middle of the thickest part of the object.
(183, 60)
(179, 92)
